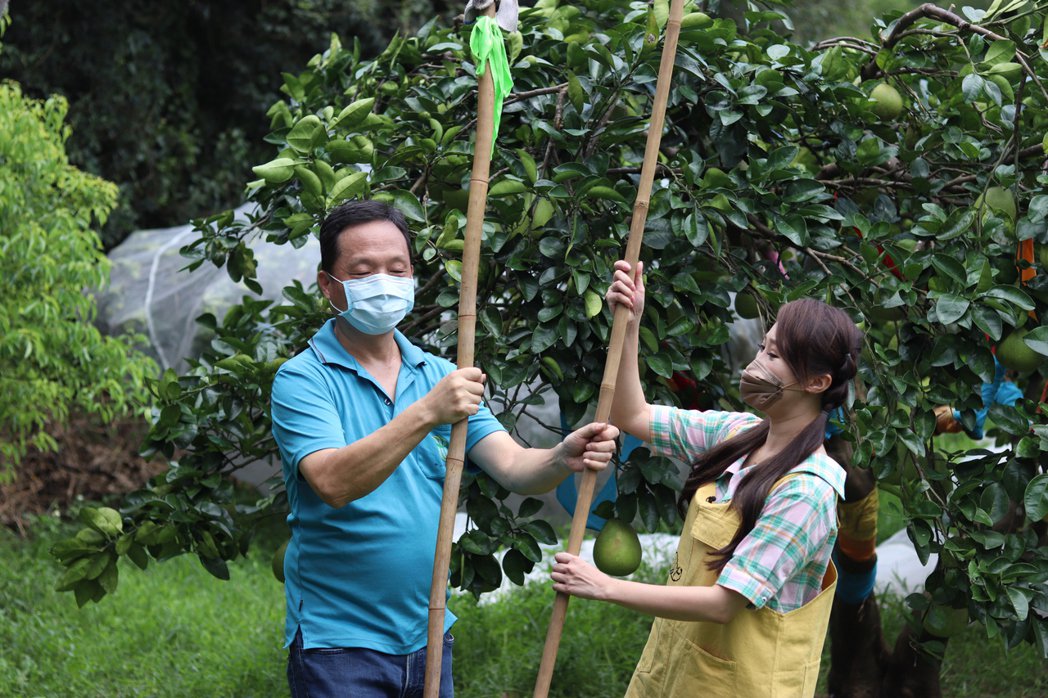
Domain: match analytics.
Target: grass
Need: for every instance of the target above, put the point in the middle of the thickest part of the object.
(173, 630)
(176, 631)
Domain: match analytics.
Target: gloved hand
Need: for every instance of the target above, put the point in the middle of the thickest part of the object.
(999, 392)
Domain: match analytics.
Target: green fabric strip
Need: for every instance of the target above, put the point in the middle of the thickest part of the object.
(489, 49)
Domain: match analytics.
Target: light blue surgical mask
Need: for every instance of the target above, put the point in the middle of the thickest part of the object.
(376, 304)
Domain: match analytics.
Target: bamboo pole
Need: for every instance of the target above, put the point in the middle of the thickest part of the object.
(467, 324)
(618, 333)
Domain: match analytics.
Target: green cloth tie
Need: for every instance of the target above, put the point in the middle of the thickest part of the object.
(488, 48)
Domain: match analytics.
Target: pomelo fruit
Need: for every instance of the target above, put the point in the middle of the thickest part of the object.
(887, 101)
(746, 305)
(617, 549)
(278, 562)
(999, 200)
(1014, 353)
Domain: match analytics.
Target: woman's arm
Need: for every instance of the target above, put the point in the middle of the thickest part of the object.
(630, 410)
(716, 604)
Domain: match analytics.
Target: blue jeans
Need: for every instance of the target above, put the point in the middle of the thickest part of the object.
(355, 672)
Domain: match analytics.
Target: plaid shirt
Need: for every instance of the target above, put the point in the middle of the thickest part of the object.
(781, 563)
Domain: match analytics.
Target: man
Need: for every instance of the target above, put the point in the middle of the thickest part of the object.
(362, 419)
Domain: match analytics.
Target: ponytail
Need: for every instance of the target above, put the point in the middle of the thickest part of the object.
(814, 339)
(749, 498)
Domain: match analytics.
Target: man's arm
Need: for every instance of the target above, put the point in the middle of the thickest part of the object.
(536, 470)
(341, 475)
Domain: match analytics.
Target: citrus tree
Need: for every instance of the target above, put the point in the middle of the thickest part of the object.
(53, 361)
(895, 176)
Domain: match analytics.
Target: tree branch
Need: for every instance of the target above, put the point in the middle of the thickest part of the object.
(521, 96)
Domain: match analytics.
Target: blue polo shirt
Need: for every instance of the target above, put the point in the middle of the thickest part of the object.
(359, 576)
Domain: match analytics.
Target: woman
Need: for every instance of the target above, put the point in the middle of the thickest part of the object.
(745, 609)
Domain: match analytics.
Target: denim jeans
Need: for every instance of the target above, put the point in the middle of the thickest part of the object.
(355, 672)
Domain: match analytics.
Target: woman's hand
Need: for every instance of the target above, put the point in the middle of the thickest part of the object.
(627, 289)
(573, 575)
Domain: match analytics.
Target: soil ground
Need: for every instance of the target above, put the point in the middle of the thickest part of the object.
(93, 461)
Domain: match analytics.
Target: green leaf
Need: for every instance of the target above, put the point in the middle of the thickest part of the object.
(216, 567)
(529, 507)
(660, 364)
(408, 204)
(304, 135)
(528, 546)
(528, 163)
(74, 573)
(1011, 295)
(87, 590)
(1037, 339)
(516, 565)
(987, 320)
(972, 86)
(1035, 500)
(576, 95)
(1019, 601)
(507, 187)
(350, 186)
(353, 114)
(106, 521)
(454, 269)
(999, 52)
(607, 193)
(948, 266)
(110, 577)
(950, 308)
(276, 171)
(137, 554)
(543, 338)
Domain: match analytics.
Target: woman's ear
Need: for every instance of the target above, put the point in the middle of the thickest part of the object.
(819, 384)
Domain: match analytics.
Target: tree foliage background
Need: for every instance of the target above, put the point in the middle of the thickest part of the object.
(166, 98)
(53, 361)
(774, 150)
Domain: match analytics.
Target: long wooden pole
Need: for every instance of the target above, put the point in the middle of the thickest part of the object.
(467, 324)
(618, 333)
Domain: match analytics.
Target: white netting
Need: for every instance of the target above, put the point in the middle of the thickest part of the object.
(151, 292)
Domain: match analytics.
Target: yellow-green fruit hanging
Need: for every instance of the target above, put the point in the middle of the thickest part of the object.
(695, 20)
(746, 305)
(617, 549)
(1015, 354)
(999, 200)
(278, 562)
(887, 101)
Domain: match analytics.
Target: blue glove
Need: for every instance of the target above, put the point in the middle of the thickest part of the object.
(998, 392)
(833, 424)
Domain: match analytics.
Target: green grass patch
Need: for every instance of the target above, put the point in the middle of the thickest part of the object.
(174, 630)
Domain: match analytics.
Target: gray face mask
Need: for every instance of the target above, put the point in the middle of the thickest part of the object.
(759, 387)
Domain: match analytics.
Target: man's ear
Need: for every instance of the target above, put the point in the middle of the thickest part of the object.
(819, 384)
(324, 282)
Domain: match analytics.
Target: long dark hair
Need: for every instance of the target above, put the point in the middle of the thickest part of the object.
(813, 339)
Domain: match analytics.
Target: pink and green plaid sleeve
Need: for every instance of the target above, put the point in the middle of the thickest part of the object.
(781, 563)
(684, 434)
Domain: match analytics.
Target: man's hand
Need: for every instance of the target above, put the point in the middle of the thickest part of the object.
(592, 447)
(456, 396)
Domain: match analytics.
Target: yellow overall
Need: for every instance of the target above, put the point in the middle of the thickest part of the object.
(759, 654)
